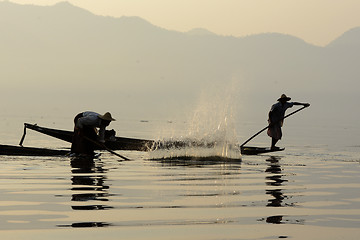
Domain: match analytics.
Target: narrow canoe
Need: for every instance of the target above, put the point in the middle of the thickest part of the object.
(30, 151)
(133, 144)
(118, 143)
(258, 150)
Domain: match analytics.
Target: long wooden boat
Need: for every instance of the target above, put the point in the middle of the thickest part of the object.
(245, 150)
(258, 150)
(30, 151)
(117, 143)
(133, 144)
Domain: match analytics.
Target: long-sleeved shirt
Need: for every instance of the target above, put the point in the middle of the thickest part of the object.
(277, 112)
(92, 119)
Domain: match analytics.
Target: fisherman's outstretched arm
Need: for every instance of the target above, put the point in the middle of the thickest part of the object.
(303, 104)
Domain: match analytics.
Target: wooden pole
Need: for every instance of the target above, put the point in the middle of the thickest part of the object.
(270, 125)
(106, 148)
(23, 136)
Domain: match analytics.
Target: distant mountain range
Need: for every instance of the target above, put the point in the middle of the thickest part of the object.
(63, 50)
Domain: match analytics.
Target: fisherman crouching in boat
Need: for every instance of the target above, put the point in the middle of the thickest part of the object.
(276, 118)
(85, 131)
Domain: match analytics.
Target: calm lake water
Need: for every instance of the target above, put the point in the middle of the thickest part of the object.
(309, 191)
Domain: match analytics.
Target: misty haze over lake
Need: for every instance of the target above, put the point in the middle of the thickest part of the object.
(62, 60)
(196, 86)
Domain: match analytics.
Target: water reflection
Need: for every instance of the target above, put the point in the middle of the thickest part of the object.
(275, 181)
(88, 186)
(198, 162)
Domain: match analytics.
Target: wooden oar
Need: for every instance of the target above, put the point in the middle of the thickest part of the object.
(23, 136)
(106, 148)
(271, 125)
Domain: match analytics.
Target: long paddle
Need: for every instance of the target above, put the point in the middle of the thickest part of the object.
(270, 125)
(106, 148)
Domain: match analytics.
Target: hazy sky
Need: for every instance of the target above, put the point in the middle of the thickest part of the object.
(316, 21)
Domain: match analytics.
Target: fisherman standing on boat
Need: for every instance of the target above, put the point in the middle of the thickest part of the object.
(85, 131)
(276, 118)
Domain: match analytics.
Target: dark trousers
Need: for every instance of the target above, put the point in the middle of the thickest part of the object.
(80, 142)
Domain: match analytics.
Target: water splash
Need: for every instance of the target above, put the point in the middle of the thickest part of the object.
(210, 132)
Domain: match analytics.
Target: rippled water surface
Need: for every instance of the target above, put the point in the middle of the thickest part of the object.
(301, 193)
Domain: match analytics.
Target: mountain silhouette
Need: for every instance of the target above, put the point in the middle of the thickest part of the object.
(200, 32)
(68, 55)
(350, 39)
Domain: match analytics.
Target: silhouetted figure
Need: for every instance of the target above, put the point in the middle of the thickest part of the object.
(88, 183)
(276, 118)
(85, 131)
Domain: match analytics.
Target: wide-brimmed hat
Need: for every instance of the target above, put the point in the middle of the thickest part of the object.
(107, 117)
(284, 97)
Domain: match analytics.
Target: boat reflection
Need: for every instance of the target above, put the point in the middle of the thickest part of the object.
(197, 162)
(275, 181)
(88, 186)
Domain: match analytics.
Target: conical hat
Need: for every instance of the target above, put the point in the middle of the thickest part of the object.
(284, 97)
(107, 117)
